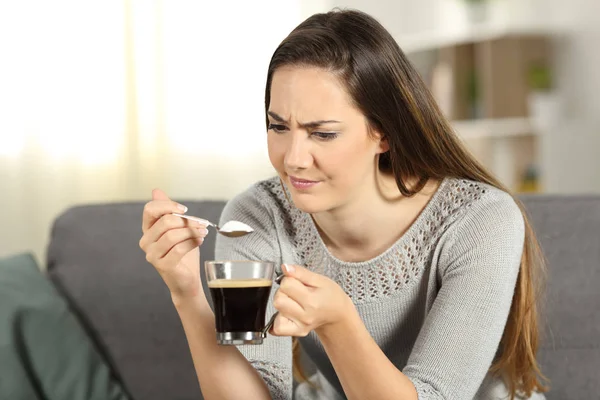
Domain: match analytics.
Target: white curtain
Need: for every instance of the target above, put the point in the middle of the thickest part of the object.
(103, 101)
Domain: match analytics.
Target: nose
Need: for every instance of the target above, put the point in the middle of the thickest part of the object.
(298, 154)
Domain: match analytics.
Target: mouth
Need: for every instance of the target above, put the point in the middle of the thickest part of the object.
(302, 184)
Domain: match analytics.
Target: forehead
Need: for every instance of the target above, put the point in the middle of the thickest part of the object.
(308, 90)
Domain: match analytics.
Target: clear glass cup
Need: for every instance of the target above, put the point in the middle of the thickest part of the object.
(240, 292)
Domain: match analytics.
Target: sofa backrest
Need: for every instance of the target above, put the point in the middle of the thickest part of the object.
(568, 229)
(95, 260)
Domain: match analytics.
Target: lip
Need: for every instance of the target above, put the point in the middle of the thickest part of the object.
(300, 183)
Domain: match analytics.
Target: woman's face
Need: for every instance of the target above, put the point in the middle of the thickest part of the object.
(318, 141)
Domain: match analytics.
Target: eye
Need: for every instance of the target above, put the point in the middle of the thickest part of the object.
(325, 135)
(277, 128)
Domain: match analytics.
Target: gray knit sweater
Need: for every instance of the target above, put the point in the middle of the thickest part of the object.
(436, 302)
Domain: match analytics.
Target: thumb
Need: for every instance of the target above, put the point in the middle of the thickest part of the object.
(158, 194)
(305, 276)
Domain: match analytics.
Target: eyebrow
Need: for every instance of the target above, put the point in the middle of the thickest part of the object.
(312, 124)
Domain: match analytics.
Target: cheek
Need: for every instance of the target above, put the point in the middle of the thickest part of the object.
(349, 167)
(347, 161)
(276, 151)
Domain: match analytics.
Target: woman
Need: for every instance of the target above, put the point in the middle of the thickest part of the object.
(410, 272)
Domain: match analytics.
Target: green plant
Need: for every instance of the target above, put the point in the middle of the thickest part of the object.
(473, 94)
(472, 87)
(540, 78)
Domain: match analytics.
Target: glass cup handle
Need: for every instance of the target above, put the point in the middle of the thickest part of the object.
(269, 325)
(278, 280)
(279, 277)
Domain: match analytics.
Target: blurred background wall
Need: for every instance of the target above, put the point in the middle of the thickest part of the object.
(103, 101)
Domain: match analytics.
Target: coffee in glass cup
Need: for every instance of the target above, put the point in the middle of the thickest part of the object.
(240, 292)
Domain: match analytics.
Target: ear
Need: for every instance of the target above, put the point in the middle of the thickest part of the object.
(384, 145)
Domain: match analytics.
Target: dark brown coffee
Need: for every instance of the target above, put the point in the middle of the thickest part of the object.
(240, 305)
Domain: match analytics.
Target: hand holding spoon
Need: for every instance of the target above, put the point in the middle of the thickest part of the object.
(229, 229)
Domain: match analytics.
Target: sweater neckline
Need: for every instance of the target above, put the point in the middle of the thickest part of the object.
(409, 235)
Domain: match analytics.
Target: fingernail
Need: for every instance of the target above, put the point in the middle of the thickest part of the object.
(289, 268)
(204, 231)
(182, 207)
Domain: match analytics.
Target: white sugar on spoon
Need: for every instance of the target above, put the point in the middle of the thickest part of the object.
(229, 229)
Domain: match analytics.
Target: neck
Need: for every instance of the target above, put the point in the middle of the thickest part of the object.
(367, 226)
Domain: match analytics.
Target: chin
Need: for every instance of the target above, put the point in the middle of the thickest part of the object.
(309, 203)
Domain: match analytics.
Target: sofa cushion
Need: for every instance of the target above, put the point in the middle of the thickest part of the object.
(568, 228)
(45, 353)
(95, 259)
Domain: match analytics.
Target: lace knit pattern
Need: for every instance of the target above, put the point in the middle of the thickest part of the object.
(398, 266)
(425, 391)
(275, 376)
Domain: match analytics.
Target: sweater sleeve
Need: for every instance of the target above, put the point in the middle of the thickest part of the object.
(479, 264)
(272, 359)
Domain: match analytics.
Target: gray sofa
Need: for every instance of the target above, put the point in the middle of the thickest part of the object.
(94, 260)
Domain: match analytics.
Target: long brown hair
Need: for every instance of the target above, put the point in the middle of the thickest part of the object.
(396, 102)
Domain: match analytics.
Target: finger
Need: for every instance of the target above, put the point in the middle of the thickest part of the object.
(175, 236)
(305, 276)
(294, 289)
(166, 223)
(285, 326)
(156, 208)
(180, 250)
(163, 225)
(287, 306)
(158, 194)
